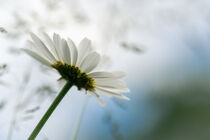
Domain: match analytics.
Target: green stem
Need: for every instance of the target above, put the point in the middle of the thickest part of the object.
(50, 110)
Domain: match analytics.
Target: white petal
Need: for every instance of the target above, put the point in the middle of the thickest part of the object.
(41, 46)
(50, 44)
(117, 89)
(101, 75)
(58, 47)
(110, 83)
(104, 62)
(118, 74)
(90, 62)
(125, 90)
(110, 93)
(37, 57)
(83, 50)
(101, 102)
(61, 82)
(66, 52)
(73, 50)
(47, 38)
(33, 46)
(85, 44)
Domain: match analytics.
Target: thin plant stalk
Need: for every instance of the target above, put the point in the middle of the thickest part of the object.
(50, 110)
(79, 119)
(14, 115)
(17, 104)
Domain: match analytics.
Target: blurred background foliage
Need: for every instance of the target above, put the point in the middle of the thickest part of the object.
(162, 45)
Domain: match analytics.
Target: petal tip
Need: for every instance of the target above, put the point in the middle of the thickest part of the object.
(126, 98)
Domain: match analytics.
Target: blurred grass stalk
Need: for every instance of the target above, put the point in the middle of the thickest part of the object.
(79, 119)
(14, 116)
(17, 103)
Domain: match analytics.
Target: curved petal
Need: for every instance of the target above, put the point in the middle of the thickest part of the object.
(109, 83)
(30, 43)
(41, 46)
(118, 74)
(116, 89)
(110, 93)
(101, 74)
(50, 44)
(73, 50)
(66, 52)
(37, 57)
(104, 62)
(101, 102)
(61, 82)
(90, 62)
(83, 50)
(58, 47)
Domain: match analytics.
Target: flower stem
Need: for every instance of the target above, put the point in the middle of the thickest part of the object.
(50, 110)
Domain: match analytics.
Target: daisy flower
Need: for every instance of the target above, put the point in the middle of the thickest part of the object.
(79, 65)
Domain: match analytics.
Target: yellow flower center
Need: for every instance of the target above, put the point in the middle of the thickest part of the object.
(74, 75)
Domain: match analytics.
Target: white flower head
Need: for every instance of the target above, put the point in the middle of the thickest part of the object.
(80, 65)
